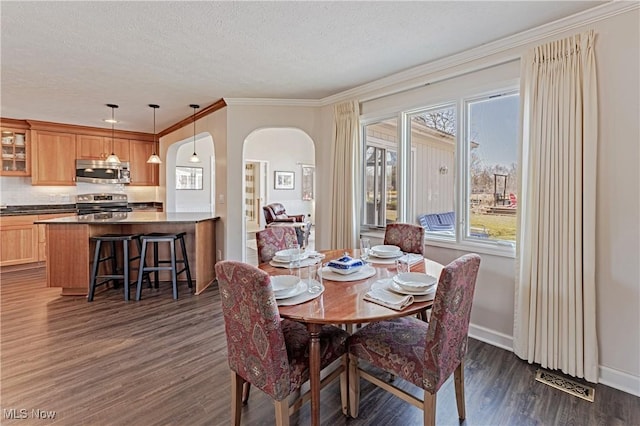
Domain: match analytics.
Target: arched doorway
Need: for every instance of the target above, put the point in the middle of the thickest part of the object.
(191, 186)
(286, 151)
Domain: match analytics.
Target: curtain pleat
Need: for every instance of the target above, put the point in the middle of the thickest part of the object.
(554, 322)
(346, 167)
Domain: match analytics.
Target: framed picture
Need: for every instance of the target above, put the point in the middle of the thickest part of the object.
(284, 180)
(188, 177)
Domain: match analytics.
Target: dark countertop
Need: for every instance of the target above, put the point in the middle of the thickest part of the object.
(38, 209)
(25, 210)
(131, 218)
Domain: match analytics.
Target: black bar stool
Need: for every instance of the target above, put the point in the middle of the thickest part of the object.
(111, 257)
(156, 238)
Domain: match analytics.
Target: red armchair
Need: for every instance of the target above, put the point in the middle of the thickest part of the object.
(275, 212)
(276, 215)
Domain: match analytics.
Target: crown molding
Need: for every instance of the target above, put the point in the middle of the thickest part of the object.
(406, 80)
(272, 102)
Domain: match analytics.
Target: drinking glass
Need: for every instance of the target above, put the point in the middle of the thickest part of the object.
(402, 266)
(365, 247)
(314, 277)
(295, 255)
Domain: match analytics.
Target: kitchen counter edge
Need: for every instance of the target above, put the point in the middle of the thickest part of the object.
(133, 218)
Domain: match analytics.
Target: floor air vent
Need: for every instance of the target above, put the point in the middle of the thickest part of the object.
(565, 385)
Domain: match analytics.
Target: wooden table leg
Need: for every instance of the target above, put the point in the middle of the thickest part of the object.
(314, 371)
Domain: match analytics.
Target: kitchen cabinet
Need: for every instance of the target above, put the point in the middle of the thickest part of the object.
(15, 152)
(89, 147)
(53, 158)
(42, 233)
(18, 240)
(142, 173)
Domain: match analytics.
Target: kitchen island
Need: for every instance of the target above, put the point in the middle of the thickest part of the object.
(70, 251)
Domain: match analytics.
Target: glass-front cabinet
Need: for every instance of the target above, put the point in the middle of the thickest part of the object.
(15, 152)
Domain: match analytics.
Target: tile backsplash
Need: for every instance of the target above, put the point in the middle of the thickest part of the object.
(19, 191)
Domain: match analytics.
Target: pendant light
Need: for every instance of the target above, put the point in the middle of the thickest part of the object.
(154, 159)
(194, 158)
(112, 158)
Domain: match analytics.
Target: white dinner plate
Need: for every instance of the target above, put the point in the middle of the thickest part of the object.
(386, 251)
(415, 281)
(288, 255)
(298, 289)
(283, 283)
(388, 284)
(401, 290)
(303, 263)
(393, 256)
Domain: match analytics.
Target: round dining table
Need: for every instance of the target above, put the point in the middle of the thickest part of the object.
(342, 302)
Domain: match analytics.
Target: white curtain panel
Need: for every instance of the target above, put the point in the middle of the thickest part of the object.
(346, 169)
(555, 305)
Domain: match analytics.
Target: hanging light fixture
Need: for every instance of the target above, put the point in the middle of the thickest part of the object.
(154, 159)
(112, 158)
(194, 158)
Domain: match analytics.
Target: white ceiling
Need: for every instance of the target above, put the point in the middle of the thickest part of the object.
(63, 61)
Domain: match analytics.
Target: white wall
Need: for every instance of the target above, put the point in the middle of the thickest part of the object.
(192, 200)
(242, 121)
(284, 149)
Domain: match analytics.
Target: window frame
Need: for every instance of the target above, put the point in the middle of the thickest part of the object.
(406, 165)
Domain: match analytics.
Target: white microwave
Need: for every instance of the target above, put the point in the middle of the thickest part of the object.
(96, 171)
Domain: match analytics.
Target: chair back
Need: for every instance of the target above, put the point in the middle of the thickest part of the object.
(255, 341)
(407, 236)
(446, 341)
(271, 240)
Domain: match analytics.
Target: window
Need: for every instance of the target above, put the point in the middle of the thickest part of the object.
(492, 137)
(432, 134)
(458, 176)
(380, 173)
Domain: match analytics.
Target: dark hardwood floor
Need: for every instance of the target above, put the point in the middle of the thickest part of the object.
(163, 362)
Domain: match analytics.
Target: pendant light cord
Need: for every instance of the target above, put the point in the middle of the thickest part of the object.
(153, 158)
(194, 158)
(113, 157)
(195, 107)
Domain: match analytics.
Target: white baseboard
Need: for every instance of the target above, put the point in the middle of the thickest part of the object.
(620, 380)
(491, 337)
(608, 376)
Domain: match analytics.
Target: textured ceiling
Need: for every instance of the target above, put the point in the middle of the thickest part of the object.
(63, 61)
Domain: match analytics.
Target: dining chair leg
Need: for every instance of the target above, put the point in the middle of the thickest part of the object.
(354, 386)
(429, 409)
(246, 388)
(458, 376)
(344, 385)
(422, 315)
(282, 412)
(236, 398)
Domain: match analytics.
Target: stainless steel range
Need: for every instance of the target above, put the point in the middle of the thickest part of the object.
(102, 203)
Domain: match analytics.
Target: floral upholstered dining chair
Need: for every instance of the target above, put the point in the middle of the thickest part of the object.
(266, 351)
(271, 240)
(409, 237)
(425, 354)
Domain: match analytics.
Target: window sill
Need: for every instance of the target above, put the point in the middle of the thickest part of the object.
(494, 249)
